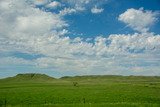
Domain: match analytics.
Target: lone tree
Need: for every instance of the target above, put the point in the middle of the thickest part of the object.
(75, 84)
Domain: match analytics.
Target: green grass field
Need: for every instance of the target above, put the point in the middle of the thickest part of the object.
(39, 90)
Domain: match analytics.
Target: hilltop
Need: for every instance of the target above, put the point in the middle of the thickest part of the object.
(29, 77)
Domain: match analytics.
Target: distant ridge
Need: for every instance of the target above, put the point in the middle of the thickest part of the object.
(38, 78)
(29, 77)
(107, 76)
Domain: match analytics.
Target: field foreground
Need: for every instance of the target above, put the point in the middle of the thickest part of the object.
(80, 91)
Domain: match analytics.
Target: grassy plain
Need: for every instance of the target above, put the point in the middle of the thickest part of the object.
(81, 91)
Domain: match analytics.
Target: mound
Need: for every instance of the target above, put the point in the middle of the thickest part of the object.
(29, 77)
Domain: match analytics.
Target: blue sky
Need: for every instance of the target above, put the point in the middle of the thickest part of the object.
(106, 22)
(80, 37)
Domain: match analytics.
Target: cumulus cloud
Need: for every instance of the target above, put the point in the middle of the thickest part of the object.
(139, 20)
(96, 10)
(39, 22)
(82, 5)
(25, 19)
(117, 54)
(135, 51)
(23, 24)
(77, 2)
(54, 4)
(67, 11)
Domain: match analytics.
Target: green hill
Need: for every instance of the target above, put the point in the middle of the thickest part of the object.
(29, 77)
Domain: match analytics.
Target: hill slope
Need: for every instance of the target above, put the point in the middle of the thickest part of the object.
(29, 77)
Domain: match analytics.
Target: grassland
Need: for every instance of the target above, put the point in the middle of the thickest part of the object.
(80, 91)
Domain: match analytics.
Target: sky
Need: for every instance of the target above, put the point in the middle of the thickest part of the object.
(80, 37)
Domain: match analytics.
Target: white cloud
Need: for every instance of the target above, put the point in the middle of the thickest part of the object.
(22, 25)
(54, 4)
(123, 54)
(78, 2)
(115, 57)
(74, 6)
(139, 20)
(84, 5)
(137, 43)
(38, 22)
(5, 5)
(40, 2)
(67, 11)
(14, 61)
(23, 19)
(96, 10)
